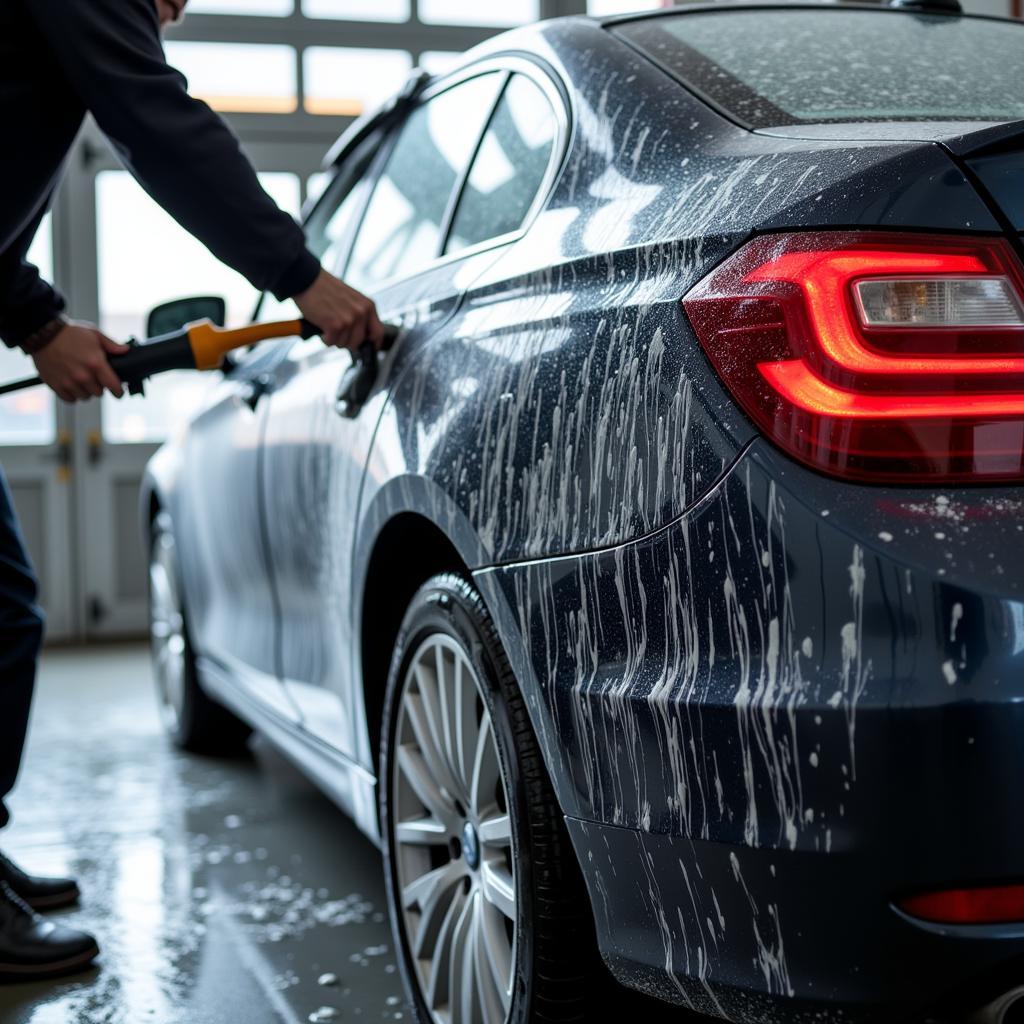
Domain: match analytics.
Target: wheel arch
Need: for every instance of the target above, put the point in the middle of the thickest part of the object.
(158, 484)
(412, 530)
(151, 504)
(408, 550)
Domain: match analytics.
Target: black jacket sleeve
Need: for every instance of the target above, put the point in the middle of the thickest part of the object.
(27, 302)
(181, 152)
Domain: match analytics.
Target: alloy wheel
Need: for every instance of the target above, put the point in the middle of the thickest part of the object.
(452, 838)
(167, 630)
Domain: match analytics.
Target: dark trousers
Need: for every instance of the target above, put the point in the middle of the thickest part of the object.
(21, 634)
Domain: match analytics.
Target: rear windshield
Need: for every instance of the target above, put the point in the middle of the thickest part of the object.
(778, 67)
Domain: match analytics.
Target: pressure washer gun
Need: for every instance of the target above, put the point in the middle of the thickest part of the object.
(203, 346)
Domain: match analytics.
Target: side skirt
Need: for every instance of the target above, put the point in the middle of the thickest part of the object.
(347, 783)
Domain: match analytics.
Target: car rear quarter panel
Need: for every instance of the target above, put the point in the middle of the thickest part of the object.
(718, 662)
(567, 405)
(797, 702)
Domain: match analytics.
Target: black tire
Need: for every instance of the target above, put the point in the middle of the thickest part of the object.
(553, 949)
(193, 720)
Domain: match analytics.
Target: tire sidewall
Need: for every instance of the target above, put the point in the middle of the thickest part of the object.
(441, 606)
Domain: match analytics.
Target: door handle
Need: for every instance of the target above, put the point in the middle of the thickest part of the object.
(255, 390)
(63, 455)
(357, 382)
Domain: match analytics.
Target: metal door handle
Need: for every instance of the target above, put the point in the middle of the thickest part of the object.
(357, 382)
(63, 455)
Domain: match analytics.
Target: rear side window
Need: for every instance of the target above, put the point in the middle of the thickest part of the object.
(509, 167)
(401, 229)
(329, 228)
(777, 67)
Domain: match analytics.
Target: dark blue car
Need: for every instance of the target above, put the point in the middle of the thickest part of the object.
(658, 598)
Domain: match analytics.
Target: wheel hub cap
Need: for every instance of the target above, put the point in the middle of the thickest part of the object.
(470, 846)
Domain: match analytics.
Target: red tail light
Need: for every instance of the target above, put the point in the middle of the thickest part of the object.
(997, 905)
(875, 356)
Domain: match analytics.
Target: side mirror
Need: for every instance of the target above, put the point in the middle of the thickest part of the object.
(171, 316)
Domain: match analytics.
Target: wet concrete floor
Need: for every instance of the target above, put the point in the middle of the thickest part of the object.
(221, 892)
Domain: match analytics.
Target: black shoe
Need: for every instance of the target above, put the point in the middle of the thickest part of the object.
(38, 893)
(32, 947)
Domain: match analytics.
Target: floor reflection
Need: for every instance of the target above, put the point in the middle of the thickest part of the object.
(220, 891)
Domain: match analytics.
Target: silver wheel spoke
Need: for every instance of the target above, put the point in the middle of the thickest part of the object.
(460, 973)
(497, 952)
(415, 768)
(498, 888)
(424, 716)
(486, 772)
(465, 724)
(496, 831)
(448, 672)
(432, 893)
(440, 967)
(422, 832)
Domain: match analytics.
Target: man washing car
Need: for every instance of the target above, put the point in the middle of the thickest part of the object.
(61, 59)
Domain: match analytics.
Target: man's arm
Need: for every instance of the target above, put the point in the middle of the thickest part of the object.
(181, 151)
(188, 159)
(71, 358)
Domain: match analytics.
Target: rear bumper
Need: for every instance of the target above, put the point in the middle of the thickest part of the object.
(772, 718)
(759, 935)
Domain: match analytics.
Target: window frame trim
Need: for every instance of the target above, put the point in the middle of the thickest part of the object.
(441, 86)
(510, 62)
(543, 193)
(367, 181)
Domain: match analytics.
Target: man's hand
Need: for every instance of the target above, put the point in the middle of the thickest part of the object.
(346, 317)
(170, 11)
(75, 365)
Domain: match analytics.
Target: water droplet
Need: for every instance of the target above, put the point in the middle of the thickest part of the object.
(327, 979)
(325, 1013)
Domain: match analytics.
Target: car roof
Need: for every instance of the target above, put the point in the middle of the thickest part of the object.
(788, 5)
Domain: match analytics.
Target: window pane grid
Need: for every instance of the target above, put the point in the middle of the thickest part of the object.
(346, 81)
(145, 259)
(239, 77)
(27, 417)
(328, 58)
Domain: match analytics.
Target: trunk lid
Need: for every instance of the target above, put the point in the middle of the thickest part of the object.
(992, 153)
(996, 158)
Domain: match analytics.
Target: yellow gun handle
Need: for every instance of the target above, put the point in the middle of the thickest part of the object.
(210, 343)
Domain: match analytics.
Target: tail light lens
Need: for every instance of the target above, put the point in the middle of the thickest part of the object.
(996, 905)
(875, 356)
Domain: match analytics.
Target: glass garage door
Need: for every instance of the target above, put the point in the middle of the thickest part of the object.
(289, 76)
(36, 454)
